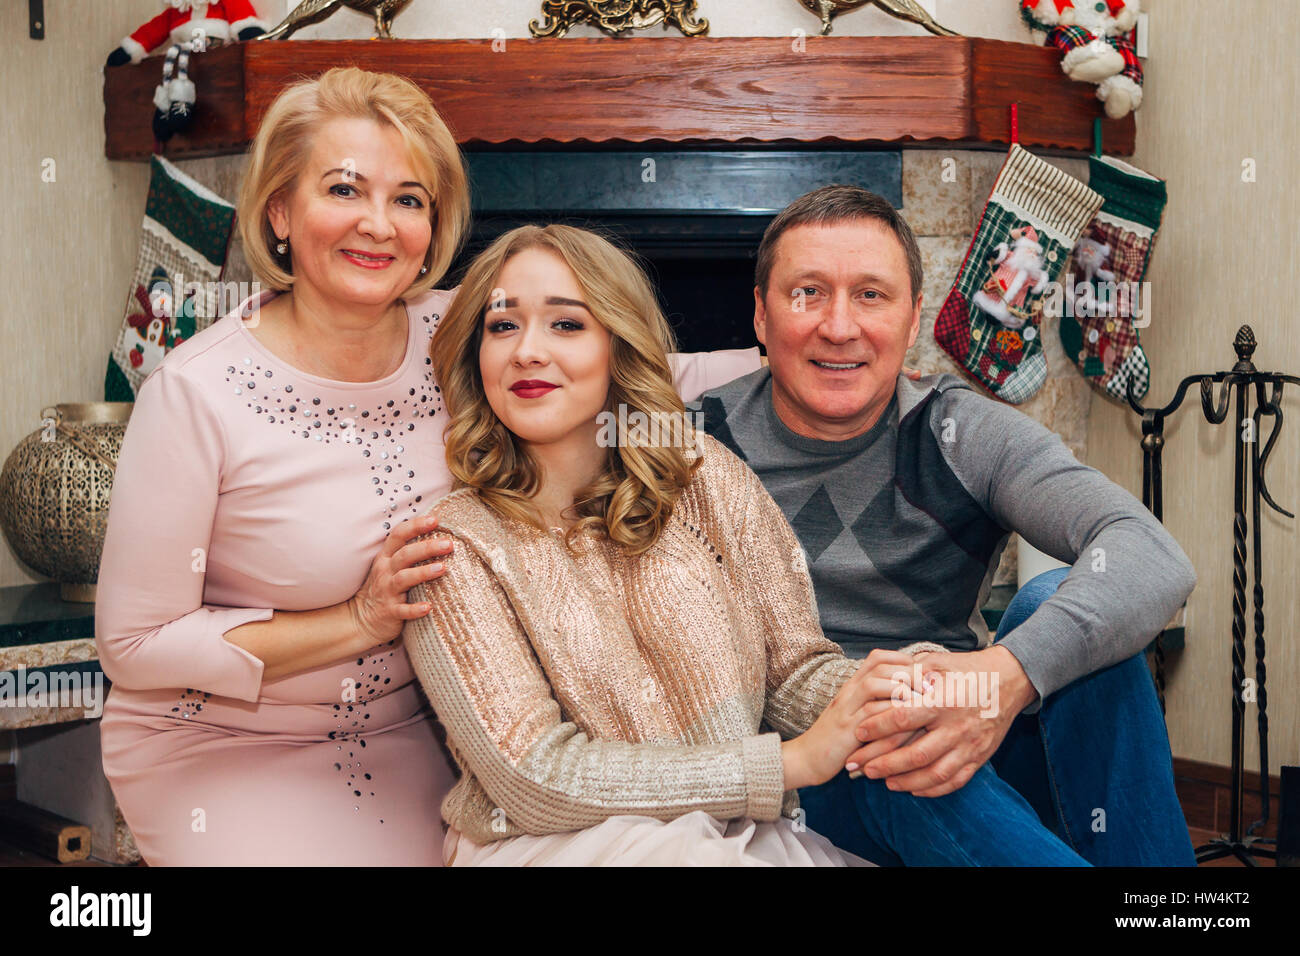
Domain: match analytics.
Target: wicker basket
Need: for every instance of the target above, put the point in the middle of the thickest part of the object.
(54, 492)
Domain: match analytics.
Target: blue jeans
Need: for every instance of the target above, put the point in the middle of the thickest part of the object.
(1088, 780)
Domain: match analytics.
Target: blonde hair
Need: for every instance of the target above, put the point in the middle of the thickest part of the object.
(283, 142)
(632, 498)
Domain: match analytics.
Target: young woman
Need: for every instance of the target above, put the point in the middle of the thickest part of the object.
(260, 543)
(624, 648)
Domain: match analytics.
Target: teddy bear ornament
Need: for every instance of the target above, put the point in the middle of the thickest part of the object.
(1094, 35)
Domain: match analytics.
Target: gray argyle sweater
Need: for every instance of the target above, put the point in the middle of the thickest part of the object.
(903, 526)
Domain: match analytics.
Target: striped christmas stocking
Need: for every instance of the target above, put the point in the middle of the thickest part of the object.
(1108, 301)
(991, 320)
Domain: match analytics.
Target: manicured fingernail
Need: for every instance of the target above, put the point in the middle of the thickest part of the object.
(435, 567)
(850, 767)
(854, 774)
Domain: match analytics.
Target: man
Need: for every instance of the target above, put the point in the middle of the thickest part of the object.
(903, 495)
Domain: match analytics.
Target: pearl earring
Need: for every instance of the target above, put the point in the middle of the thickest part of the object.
(282, 246)
(423, 269)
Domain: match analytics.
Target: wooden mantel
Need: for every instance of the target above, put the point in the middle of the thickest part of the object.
(751, 91)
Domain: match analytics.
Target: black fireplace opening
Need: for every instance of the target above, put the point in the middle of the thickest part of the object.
(709, 301)
(693, 219)
(701, 267)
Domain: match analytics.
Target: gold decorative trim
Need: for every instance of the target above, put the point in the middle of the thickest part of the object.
(908, 10)
(617, 16)
(314, 11)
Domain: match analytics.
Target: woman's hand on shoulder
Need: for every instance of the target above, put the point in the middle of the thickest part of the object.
(379, 609)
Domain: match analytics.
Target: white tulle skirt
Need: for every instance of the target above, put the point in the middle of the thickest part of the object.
(696, 839)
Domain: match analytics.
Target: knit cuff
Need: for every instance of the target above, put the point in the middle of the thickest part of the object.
(1038, 650)
(764, 776)
(920, 647)
(1032, 188)
(1131, 193)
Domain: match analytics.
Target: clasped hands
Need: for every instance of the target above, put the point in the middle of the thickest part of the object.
(923, 723)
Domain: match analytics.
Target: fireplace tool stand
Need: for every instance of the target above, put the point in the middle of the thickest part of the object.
(1243, 379)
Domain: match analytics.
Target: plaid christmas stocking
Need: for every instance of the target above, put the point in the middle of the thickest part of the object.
(183, 240)
(991, 320)
(1105, 297)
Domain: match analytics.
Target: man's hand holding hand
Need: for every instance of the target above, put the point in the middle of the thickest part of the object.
(921, 741)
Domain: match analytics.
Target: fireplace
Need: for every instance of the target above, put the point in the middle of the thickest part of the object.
(695, 217)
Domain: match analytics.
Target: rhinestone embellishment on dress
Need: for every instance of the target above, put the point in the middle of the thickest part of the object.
(379, 434)
(374, 431)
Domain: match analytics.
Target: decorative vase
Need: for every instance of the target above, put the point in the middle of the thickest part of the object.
(55, 489)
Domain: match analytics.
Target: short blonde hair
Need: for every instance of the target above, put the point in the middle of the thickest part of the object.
(632, 498)
(284, 140)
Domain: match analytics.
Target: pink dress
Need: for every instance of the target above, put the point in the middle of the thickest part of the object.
(245, 485)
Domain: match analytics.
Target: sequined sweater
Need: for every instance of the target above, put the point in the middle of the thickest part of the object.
(575, 687)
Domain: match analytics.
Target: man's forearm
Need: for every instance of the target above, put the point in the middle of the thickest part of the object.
(1127, 583)
(1129, 576)
(1015, 690)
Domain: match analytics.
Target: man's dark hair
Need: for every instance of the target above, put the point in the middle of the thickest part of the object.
(834, 204)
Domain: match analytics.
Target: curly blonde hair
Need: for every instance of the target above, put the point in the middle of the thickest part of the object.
(632, 498)
(284, 141)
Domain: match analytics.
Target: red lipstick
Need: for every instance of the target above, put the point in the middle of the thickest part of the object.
(532, 388)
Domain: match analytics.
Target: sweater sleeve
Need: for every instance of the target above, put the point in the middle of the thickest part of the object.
(151, 628)
(1129, 575)
(480, 673)
(769, 575)
(695, 373)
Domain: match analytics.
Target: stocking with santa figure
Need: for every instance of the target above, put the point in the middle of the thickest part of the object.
(1109, 300)
(175, 290)
(991, 322)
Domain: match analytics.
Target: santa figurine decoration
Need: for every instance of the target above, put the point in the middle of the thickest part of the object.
(185, 26)
(1017, 271)
(1094, 35)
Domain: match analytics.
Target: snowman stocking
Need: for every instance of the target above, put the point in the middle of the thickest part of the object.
(991, 320)
(174, 290)
(1106, 302)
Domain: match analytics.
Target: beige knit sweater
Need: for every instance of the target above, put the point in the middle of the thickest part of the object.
(575, 688)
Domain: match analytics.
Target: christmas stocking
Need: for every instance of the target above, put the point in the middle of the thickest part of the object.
(1105, 299)
(991, 320)
(174, 292)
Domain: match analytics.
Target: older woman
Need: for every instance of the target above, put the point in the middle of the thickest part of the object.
(268, 506)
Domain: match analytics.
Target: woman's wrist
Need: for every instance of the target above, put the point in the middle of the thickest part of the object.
(293, 641)
(793, 764)
(358, 639)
